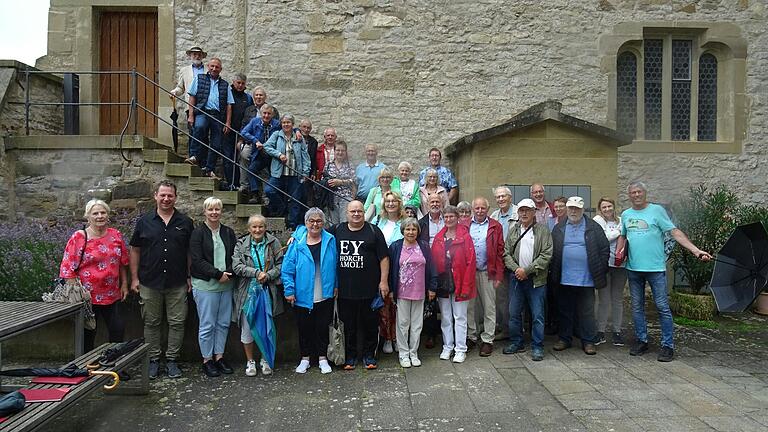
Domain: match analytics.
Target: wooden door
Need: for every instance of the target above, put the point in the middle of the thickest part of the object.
(127, 40)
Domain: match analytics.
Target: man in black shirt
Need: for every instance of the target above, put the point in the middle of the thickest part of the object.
(160, 275)
(363, 271)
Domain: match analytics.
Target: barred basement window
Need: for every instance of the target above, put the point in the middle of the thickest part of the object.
(707, 130)
(626, 93)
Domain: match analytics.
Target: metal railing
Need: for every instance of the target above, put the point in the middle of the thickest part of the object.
(134, 106)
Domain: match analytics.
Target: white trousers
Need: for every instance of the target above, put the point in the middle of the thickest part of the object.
(410, 320)
(453, 321)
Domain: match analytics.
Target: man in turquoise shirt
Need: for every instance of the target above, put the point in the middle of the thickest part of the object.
(642, 237)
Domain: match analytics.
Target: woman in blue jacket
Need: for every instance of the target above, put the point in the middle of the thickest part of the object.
(309, 282)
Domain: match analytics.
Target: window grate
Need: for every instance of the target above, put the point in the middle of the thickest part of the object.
(681, 90)
(652, 72)
(707, 130)
(626, 93)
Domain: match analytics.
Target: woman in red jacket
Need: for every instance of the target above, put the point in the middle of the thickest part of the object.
(454, 257)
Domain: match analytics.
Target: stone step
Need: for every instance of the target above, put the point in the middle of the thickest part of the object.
(246, 210)
(227, 197)
(182, 170)
(149, 143)
(202, 184)
(160, 156)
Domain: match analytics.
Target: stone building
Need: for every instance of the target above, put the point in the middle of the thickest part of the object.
(686, 78)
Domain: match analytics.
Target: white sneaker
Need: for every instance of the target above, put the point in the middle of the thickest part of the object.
(459, 357)
(387, 348)
(415, 361)
(405, 362)
(250, 368)
(445, 355)
(325, 367)
(302, 367)
(265, 369)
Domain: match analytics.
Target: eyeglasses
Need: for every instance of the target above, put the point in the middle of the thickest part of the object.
(315, 222)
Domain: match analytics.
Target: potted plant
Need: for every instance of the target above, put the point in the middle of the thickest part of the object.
(708, 218)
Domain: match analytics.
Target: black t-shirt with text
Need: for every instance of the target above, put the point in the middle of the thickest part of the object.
(360, 254)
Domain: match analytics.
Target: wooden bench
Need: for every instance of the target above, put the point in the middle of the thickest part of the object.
(36, 415)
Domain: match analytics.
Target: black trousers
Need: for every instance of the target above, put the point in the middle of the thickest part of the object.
(576, 309)
(111, 315)
(313, 328)
(358, 316)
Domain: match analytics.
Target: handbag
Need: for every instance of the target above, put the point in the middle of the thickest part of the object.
(73, 291)
(335, 351)
(430, 308)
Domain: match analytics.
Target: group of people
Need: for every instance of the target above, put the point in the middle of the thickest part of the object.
(387, 279)
(302, 172)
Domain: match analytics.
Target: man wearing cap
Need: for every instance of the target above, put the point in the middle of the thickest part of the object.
(527, 253)
(506, 215)
(579, 266)
(488, 241)
(210, 94)
(642, 238)
(186, 75)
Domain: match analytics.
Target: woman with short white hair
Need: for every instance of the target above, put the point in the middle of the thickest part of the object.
(407, 187)
(211, 247)
(257, 263)
(98, 257)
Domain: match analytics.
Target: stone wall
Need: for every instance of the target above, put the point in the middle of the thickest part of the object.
(43, 120)
(410, 75)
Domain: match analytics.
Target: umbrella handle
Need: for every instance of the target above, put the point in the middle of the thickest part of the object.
(92, 366)
(114, 376)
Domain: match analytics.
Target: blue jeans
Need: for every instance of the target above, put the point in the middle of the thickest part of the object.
(227, 148)
(658, 282)
(205, 128)
(257, 163)
(214, 310)
(520, 294)
(279, 203)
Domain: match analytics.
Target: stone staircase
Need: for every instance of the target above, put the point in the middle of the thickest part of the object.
(190, 177)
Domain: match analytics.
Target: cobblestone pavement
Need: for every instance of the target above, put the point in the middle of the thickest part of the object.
(718, 381)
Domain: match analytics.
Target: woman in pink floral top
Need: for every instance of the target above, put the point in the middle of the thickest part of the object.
(103, 270)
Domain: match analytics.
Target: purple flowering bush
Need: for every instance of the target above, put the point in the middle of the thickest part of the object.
(31, 251)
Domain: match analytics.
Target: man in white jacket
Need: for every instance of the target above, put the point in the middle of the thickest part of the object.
(186, 75)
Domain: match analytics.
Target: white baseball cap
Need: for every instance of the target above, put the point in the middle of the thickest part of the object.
(526, 202)
(575, 201)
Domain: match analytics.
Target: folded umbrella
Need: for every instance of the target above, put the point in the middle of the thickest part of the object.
(258, 313)
(175, 130)
(69, 371)
(110, 355)
(741, 268)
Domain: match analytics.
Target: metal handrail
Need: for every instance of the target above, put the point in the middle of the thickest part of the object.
(134, 105)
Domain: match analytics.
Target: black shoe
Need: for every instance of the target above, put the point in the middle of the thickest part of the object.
(617, 339)
(154, 369)
(666, 354)
(600, 338)
(638, 348)
(471, 344)
(224, 366)
(210, 369)
(513, 349)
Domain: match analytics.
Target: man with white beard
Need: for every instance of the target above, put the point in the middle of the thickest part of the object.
(186, 75)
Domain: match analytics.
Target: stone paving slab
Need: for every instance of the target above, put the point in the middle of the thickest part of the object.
(711, 386)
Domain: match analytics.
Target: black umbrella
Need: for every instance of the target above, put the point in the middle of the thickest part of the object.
(175, 130)
(70, 371)
(110, 356)
(741, 268)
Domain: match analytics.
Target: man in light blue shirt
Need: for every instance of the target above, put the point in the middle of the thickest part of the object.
(212, 98)
(642, 238)
(579, 266)
(367, 173)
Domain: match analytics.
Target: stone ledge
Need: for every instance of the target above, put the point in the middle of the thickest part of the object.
(56, 142)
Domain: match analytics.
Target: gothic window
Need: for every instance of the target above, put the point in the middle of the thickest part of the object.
(676, 85)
